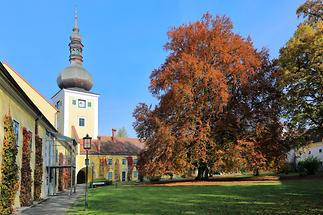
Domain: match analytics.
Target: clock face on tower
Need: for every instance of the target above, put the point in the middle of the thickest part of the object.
(82, 103)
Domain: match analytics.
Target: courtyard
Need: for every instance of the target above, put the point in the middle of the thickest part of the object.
(294, 196)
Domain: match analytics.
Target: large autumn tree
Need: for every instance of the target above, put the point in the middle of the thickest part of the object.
(217, 106)
(301, 72)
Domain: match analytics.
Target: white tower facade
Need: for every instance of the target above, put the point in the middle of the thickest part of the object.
(78, 109)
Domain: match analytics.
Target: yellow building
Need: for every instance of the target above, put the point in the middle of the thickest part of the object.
(30, 111)
(110, 158)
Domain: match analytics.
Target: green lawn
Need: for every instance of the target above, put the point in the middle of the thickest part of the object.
(285, 197)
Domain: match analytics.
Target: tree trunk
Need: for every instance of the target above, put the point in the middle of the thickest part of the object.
(256, 172)
(203, 172)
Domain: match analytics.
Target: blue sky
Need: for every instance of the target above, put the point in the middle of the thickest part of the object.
(123, 42)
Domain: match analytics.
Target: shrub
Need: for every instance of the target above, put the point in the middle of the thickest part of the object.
(310, 165)
(154, 178)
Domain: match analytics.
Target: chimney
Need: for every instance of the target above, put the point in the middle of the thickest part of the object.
(113, 133)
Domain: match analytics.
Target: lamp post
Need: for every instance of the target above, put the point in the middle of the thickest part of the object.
(86, 145)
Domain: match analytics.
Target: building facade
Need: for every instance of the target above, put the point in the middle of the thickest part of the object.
(312, 149)
(30, 113)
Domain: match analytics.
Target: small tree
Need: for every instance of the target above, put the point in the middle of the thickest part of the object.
(122, 132)
(9, 168)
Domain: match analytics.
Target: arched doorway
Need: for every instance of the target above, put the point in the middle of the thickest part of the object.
(81, 177)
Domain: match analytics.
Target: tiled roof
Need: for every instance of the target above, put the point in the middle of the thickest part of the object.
(106, 145)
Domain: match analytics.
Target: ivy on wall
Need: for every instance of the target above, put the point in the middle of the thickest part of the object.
(130, 167)
(67, 178)
(106, 166)
(9, 169)
(61, 176)
(117, 170)
(38, 174)
(26, 180)
(103, 164)
(64, 180)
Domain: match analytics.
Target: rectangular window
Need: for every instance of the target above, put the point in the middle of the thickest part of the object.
(124, 176)
(89, 104)
(135, 174)
(320, 150)
(16, 131)
(110, 176)
(74, 102)
(82, 103)
(110, 161)
(81, 122)
(309, 152)
(124, 161)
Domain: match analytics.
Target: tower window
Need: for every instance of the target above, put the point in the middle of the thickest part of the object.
(74, 102)
(89, 104)
(81, 122)
(82, 103)
(58, 104)
(309, 152)
(320, 150)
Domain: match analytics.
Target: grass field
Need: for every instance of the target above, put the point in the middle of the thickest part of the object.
(277, 197)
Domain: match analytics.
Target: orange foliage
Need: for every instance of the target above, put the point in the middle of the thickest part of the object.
(207, 109)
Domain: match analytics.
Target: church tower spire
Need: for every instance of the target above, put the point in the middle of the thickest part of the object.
(75, 76)
(75, 44)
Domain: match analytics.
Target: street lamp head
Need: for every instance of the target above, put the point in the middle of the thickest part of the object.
(87, 142)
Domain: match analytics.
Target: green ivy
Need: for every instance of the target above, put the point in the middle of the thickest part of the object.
(9, 168)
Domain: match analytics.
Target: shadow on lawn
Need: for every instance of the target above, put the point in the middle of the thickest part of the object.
(286, 197)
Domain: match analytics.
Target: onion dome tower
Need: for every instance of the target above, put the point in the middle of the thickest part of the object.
(77, 106)
(75, 75)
